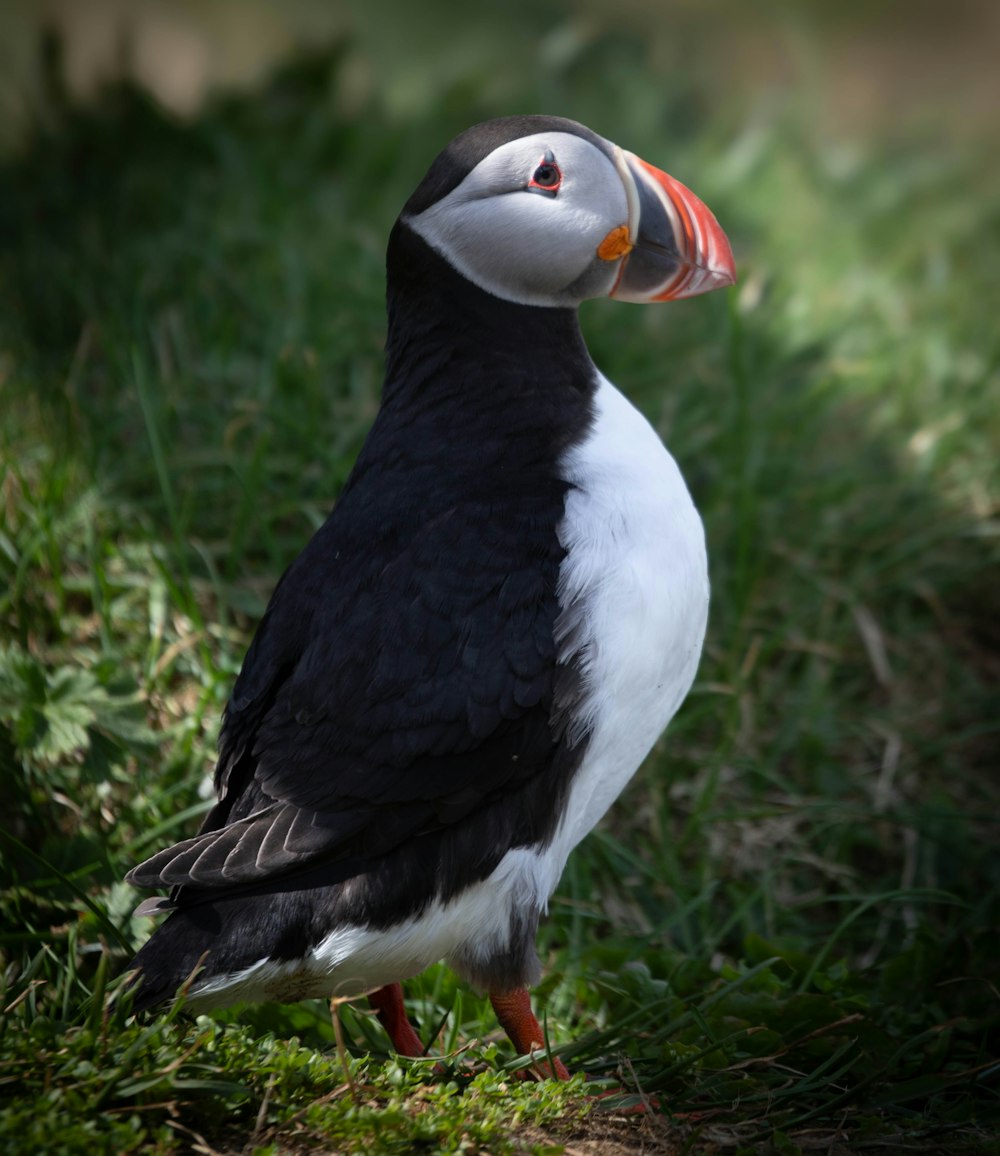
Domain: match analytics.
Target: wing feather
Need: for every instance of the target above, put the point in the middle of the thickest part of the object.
(392, 689)
(405, 674)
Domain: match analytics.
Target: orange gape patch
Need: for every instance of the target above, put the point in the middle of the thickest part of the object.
(616, 244)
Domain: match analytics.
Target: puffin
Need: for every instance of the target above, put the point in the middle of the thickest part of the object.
(472, 656)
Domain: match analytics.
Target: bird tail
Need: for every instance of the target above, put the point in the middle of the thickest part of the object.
(164, 968)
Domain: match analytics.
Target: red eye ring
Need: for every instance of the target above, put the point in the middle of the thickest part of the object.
(547, 176)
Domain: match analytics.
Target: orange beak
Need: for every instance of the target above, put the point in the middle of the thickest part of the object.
(675, 246)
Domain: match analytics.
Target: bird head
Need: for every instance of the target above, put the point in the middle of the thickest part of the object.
(540, 210)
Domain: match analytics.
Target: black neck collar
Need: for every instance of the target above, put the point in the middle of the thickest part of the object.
(434, 313)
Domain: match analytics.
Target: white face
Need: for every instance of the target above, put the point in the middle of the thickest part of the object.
(527, 221)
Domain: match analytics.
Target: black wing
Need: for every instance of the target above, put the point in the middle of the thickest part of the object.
(403, 676)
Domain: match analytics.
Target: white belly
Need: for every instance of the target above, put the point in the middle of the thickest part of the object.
(634, 595)
(634, 592)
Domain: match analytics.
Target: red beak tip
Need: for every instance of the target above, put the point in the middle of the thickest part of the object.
(721, 262)
(724, 276)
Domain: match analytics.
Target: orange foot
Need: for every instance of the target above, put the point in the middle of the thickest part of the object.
(388, 1004)
(513, 1010)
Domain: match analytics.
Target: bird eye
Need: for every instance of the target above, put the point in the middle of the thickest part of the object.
(547, 177)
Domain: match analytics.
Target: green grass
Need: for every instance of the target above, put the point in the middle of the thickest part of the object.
(787, 933)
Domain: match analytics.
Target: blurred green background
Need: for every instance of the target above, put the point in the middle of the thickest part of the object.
(789, 926)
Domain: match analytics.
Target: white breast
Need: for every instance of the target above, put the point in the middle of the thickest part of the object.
(633, 589)
(634, 595)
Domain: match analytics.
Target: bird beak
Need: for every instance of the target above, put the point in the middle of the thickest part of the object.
(672, 245)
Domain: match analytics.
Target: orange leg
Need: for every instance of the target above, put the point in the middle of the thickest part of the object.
(513, 1010)
(388, 1004)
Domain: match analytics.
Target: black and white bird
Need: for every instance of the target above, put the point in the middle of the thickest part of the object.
(473, 655)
